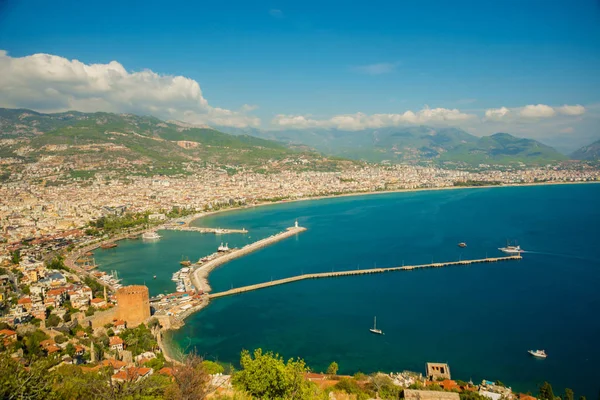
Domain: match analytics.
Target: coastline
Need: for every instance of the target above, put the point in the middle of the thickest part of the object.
(190, 219)
(200, 274)
(169, 349)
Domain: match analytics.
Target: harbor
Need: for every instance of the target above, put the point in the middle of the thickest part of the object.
(203, 268)
(360, 272)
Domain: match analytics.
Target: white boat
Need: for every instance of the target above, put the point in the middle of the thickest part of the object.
(150, 235)
(538, 353)
(374, 328)
(223, 248)
(511, 249)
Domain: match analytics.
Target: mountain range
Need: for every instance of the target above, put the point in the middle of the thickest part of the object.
(147, 144)
(589, 152)
(414, 144)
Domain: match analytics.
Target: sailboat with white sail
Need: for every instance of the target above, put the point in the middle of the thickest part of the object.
(374, 328)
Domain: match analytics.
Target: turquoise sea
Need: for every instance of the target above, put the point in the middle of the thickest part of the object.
(480, 319)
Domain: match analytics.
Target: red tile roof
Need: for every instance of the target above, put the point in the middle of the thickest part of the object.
(115, 340)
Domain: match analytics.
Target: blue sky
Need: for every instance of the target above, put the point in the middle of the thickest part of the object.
(319, 60)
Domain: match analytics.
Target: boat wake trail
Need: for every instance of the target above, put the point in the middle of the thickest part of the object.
(561, 255)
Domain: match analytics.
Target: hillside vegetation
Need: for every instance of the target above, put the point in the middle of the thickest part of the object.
(138, 144)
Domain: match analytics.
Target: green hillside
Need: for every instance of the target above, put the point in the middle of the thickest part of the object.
(503, 148)
(131, 143)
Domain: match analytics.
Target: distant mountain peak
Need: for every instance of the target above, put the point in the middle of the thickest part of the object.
(589, 152)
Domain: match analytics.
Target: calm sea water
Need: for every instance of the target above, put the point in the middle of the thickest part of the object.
(480, 319)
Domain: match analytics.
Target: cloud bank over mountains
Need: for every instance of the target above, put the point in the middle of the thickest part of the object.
(50, 83)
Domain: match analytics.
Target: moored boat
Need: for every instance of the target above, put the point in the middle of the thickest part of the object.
(150, 235)
(108, 246)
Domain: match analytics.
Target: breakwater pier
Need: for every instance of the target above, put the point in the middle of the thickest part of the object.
(201, 271)
(360, 272)
(217, 231)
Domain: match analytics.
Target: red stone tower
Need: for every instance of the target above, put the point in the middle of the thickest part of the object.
(133, 304)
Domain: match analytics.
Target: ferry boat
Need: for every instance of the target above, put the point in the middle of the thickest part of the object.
(150, 235)
(374, 328)
(538, 353)
(462, 244)
(511, 249)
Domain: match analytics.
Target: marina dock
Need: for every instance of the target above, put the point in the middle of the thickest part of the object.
(200, 274)
(359, 272)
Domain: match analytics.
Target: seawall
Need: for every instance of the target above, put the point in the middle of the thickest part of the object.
(200, 274)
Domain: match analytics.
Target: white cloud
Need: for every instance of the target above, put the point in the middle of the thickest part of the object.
(531, 112)
(360, 121)
(376, 69)
(50, 83)
(571, 110)
(496, 114)
(537, 111)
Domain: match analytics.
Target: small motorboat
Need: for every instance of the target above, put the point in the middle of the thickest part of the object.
(538, 353)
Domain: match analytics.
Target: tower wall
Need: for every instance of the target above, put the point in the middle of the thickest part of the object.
(133, 304)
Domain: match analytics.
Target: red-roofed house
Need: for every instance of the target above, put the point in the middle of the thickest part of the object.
(116, 364)
(79, 350)
(166, 371)
(52, 349)
(98, 303)
(132, 374)
(25, 302)
(8, 336)
(116, 343)
(46, 343)
(120, 325)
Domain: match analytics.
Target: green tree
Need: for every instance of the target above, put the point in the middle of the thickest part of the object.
(53, 320)
(332, 369)
(15, 256)
(546, 392)
(70, 349)
(58, 262)
(18, 382)
(568, 394)
(60, 339)
(31, 343)
(212, 367)
(351, 386)
(385, 387)
(267, 376)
